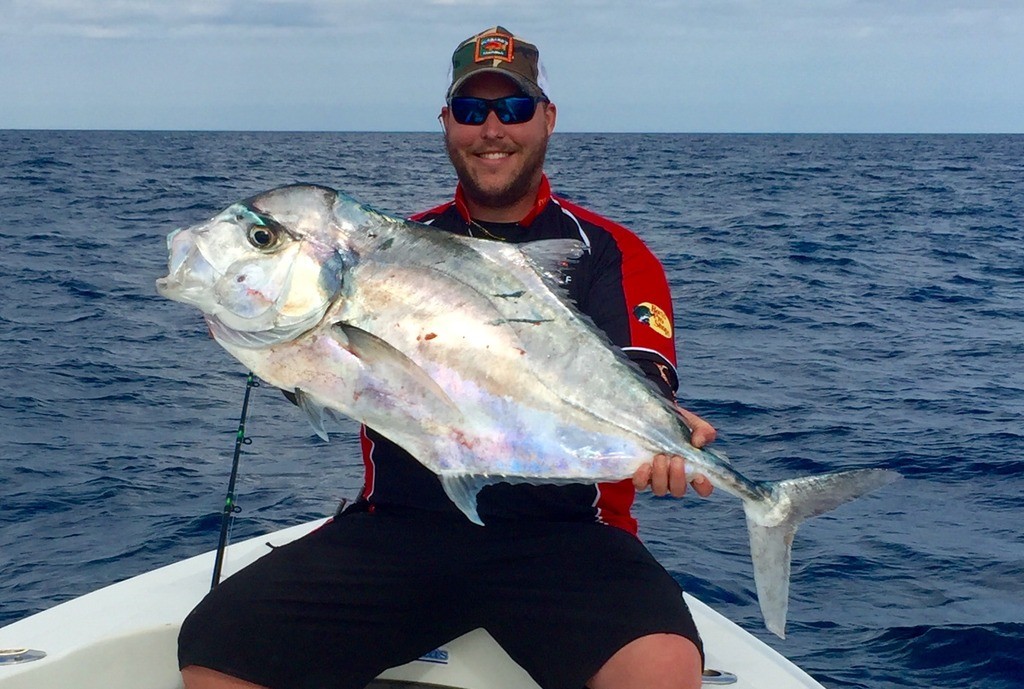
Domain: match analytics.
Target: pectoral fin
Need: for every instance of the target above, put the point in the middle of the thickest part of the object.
(393, 374)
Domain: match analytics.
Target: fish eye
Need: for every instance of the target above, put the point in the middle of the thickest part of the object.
(261, 237)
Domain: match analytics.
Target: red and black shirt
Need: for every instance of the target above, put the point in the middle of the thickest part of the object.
(621, 286)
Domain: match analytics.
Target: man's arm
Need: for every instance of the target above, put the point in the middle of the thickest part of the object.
(652, 328)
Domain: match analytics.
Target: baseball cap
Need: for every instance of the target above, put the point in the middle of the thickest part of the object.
(497, 50)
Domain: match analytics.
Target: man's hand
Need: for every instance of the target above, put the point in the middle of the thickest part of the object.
(666, 474)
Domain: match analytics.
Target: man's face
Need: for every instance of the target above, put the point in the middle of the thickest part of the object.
(498, 164)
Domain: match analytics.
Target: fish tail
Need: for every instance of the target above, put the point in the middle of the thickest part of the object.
(773, 521)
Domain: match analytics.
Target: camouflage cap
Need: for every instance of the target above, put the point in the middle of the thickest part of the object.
(497, 50)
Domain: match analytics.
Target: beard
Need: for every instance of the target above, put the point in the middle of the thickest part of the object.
(499, 194)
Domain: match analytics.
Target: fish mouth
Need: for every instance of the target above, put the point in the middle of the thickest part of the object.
(189, 273)
(184, 290)
(166, 287)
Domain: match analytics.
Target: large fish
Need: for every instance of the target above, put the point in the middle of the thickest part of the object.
(465, 352)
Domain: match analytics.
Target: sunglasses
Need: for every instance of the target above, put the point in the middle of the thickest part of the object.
(510, 110)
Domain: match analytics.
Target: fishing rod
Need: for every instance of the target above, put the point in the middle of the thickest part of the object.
(229, 501)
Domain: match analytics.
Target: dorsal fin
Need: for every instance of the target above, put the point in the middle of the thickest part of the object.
(553, 258)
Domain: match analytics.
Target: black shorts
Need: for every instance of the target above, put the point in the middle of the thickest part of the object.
(371, 591)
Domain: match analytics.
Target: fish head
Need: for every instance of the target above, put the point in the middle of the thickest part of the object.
(263, 271)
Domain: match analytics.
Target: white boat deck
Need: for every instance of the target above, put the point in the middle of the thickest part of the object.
(124, 637)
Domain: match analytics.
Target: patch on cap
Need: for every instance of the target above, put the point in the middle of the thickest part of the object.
(497, 50)
(652, 315)
(495, 46)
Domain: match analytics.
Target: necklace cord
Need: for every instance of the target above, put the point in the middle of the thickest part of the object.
(470, 224)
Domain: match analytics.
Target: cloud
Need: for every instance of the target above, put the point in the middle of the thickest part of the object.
(656, 65)
(113, 19)
(808, 19)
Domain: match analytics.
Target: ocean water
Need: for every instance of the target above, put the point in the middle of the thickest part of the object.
(841, 302)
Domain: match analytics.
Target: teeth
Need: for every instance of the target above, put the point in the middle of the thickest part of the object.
(494, 156)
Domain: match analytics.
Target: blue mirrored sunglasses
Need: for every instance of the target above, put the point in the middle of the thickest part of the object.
(510, 110)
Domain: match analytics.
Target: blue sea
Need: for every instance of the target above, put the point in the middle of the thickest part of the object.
(842, 302)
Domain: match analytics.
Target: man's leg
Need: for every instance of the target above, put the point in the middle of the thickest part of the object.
(585, 603)
(334, 608)
(656, 661)
(196, 677)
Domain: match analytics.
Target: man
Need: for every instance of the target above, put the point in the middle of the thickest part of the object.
(557, 575)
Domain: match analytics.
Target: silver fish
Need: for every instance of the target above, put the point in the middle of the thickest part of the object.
(465, 352)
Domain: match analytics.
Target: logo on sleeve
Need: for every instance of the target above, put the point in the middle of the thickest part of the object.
(652, 315)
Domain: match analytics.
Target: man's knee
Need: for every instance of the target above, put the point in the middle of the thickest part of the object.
(196, 677)
(657, 661)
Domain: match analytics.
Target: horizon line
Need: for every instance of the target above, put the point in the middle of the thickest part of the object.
(424, 131)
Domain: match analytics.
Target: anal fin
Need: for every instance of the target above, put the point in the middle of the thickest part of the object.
(462, 489)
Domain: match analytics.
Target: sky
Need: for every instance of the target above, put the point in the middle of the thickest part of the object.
(918, 66)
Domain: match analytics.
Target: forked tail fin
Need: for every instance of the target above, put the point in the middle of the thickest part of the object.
(772, 524)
